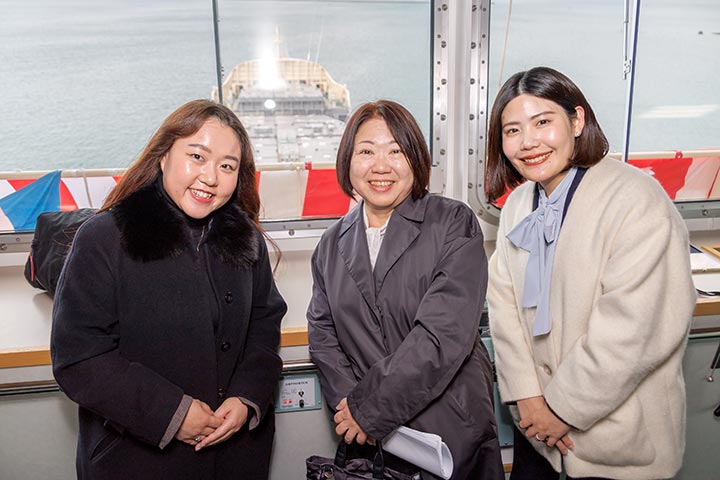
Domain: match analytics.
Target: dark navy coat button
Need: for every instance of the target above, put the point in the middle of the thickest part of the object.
(221, 393)
(228, 297)
(225, 346)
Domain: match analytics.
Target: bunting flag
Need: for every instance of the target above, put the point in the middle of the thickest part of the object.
(306, 192)
(19, 210)
(284, 194)
(683, 178)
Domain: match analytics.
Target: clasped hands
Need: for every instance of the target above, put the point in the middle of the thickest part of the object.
(346, 426)
(542, 424)
(535, 417)
(201, 423)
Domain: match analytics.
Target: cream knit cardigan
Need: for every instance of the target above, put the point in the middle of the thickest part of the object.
(621, 301)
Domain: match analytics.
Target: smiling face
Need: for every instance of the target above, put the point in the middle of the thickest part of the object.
(200, 172)
(538, 137)
(379, 171)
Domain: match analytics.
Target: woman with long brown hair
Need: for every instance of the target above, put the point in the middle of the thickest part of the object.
(166, 320)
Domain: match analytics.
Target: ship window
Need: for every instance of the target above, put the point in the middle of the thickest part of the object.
(317, 61)
(676, 106)
(86, 84)
(675, 110)
(549, 33)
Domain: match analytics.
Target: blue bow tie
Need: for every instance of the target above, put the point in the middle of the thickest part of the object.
(536, 234)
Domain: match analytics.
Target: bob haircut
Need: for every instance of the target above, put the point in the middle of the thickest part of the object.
(543, 82)
(183, 122)
(407, 134)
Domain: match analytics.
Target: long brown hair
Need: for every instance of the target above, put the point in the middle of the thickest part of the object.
(183, 122)
(542, 82)
(407, 134)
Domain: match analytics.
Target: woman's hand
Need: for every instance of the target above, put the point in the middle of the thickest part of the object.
(543, 425)
(198, 421)
(232, 414)
(345, 425)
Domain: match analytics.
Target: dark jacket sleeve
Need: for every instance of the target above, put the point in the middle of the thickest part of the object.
(336, 376)
(402, 384)
(256, 376)
(87, 363)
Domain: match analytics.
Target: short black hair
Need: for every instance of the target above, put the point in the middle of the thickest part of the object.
(542, 82)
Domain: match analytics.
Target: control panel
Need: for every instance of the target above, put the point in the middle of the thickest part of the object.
(298, 392)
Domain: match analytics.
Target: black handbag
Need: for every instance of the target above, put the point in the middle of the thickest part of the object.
(54, 232)
(342, 468)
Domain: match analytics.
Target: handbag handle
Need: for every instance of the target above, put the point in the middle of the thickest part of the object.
(378, 468)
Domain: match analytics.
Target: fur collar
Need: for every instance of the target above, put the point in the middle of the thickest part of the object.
(152, 229)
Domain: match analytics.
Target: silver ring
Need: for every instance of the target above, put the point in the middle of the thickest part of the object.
(198, 439)
(537, 437)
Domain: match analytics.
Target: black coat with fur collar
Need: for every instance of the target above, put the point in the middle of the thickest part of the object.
(146, 312)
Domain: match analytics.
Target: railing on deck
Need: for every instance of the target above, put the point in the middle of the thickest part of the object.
(309, 190)
(686, 175)
(287, 190)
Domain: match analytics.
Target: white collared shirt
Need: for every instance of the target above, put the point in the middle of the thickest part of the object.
(375, 236)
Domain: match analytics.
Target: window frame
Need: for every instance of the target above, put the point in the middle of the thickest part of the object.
(477, 97)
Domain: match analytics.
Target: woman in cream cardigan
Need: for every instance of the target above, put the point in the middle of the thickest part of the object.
(590, 294)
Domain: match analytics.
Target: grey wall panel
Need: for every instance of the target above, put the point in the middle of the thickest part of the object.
(38, 437)
(39, 433)
(297, 436)
(39, 430)
(701, 459)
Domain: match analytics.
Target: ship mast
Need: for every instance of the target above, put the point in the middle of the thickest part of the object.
(277, 42)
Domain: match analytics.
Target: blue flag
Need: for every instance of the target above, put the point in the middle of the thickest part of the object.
(19, 210)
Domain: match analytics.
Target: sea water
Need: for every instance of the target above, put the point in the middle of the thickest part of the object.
(85, 83)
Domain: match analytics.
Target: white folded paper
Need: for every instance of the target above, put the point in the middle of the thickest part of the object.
(704, 263)
(426, 450)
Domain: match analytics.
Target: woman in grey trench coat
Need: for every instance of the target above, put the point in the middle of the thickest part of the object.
(399, 286)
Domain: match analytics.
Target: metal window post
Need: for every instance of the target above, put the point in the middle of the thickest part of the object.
(218, 64)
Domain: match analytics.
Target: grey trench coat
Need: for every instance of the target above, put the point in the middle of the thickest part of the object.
(401, 342)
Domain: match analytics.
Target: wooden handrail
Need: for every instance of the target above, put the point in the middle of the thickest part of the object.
(290, 337)
(40, 355)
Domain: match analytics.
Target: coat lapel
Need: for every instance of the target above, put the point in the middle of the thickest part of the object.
(402, 230)
(353, 249)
